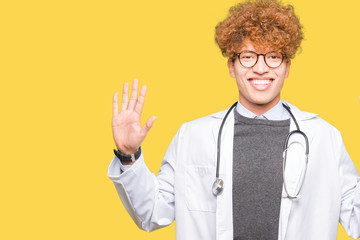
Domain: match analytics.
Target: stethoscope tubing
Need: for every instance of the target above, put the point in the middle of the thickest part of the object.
(219, 139)
(218, 185)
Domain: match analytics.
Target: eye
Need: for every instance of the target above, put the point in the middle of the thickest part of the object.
(247, 56)
(274, 56)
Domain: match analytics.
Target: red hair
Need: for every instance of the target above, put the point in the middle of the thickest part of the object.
(266, 23)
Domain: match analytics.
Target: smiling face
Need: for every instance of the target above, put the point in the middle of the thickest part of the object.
(259, 86)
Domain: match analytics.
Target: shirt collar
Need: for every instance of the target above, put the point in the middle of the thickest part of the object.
(278, 112)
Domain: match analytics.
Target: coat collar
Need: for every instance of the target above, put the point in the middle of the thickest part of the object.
(303, 116)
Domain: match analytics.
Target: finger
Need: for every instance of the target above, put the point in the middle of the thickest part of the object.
(124, 101)
(148, 124)
(133, 94)
(115, 104)
(141, 99)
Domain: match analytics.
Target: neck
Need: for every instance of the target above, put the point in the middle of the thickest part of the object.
(259, 109)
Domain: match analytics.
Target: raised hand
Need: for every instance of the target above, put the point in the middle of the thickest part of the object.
(126, 127)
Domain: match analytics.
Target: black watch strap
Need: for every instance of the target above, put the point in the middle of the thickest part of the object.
(127, 158)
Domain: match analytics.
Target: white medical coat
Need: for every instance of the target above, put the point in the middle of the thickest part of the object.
(182, 190)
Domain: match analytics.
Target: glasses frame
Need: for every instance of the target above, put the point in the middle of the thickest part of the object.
(257, 58)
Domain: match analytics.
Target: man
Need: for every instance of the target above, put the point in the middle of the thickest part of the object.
(271, 184)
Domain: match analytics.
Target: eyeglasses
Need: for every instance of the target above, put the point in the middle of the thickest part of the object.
(249, 58)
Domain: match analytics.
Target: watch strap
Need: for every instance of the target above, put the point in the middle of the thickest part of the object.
(127, 158)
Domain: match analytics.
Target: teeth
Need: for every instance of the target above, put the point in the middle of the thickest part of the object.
(261, 82)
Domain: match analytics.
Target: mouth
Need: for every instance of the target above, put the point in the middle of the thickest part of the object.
(261, 84)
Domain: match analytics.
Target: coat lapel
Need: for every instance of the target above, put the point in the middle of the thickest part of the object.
(224, 215)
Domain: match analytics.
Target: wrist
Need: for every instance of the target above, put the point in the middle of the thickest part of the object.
(127, 159)
(126, 150)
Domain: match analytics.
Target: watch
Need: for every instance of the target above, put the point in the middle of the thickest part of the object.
(127, 158)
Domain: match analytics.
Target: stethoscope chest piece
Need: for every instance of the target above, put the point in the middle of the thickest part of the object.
(218, 186)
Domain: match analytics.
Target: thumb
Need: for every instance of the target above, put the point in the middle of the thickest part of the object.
(148, 124)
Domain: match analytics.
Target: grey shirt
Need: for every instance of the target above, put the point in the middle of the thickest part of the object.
(257, 175)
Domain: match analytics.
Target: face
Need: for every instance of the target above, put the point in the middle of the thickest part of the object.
(259, 86)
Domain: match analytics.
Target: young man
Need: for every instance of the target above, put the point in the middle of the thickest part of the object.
(262, 169)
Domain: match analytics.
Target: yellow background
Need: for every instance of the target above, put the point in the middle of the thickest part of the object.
(61, 61)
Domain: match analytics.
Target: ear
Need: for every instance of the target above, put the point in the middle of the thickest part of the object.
(288, 63)
(231, 67)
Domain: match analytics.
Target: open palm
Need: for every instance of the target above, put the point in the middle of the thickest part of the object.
(126, 127)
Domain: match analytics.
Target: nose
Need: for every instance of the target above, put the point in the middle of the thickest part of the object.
(260, 67)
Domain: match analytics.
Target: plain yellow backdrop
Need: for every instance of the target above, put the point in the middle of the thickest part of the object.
(61, 62)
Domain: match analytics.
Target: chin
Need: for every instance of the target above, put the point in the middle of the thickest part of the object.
(262, 102)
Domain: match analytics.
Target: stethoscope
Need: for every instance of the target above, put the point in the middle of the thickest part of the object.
(218, 185)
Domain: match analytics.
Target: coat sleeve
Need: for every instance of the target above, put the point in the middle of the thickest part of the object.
(350, 187)
(149, 199)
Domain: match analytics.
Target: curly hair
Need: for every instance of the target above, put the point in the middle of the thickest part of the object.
(266, 23)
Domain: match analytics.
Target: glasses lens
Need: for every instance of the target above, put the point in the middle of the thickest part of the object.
(273, 59)
(248, 59)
